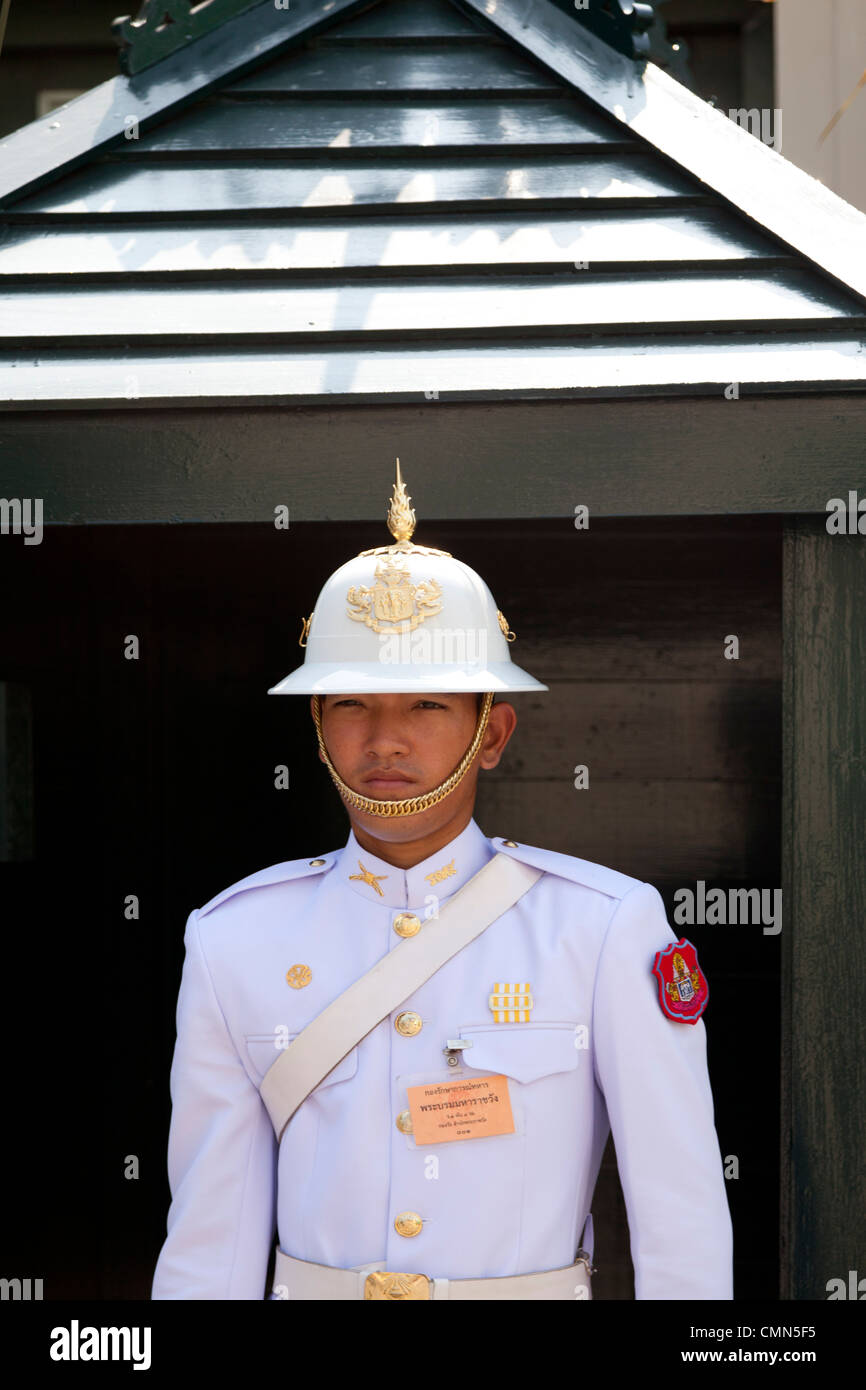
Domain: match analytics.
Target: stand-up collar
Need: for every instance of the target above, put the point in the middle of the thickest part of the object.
(442, 874)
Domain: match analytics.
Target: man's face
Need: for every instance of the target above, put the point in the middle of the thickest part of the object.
(390, 747)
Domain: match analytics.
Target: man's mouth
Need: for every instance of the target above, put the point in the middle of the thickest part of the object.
(383, 778)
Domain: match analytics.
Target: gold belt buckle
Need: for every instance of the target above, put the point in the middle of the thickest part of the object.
(384, 1283)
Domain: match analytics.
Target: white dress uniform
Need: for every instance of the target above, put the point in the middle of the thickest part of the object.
(588, 1051)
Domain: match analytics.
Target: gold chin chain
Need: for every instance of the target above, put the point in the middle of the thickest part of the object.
(413, 804)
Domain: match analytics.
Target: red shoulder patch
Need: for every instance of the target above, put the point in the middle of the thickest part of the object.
(683, 989)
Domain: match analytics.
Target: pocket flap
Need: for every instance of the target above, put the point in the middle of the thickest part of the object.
(263, 1051)
(525, 1051)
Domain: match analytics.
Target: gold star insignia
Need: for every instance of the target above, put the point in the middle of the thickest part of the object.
(447, 871)
(369, 878)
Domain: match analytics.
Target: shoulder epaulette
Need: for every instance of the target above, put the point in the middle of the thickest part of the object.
(277, 873)
(583, 871)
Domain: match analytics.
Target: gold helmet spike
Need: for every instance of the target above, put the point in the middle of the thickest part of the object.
(400, 518)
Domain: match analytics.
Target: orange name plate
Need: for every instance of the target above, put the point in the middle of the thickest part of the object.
(473, 1108)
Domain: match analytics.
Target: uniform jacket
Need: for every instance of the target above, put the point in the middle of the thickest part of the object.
(595, 1055)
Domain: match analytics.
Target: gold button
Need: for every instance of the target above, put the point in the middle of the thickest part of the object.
(408, 1223)
(404, 1122)
(299, 976)
(407, 924)
(511, 844)
(408, 1024)
(317, 863)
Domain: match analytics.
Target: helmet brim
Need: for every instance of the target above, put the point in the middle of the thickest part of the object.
(374, 678)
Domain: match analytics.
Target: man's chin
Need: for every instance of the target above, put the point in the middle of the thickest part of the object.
(398, 827)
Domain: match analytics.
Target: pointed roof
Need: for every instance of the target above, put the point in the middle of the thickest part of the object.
(415, 198)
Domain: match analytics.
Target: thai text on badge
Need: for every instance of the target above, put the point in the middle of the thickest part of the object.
(474, 1107)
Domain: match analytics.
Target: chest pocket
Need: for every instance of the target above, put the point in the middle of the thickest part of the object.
(263, 1052)
(524, 1052)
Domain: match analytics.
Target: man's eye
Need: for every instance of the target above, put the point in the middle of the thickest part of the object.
(432, 704)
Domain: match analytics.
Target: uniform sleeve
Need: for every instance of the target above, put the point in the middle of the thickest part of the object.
(221, 1155)
(653, 1073)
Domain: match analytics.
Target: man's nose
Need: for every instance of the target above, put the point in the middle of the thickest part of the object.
(387, 735)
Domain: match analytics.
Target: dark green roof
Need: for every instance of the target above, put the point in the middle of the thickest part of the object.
(414, 201)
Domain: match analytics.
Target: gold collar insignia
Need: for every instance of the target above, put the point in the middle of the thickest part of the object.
(447, 871)
(366, 876)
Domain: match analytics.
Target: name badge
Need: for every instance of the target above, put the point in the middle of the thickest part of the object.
(475, 1107)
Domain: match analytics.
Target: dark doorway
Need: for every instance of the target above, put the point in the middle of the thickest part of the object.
(154, 779)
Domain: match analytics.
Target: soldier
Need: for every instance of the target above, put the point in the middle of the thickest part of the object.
(404, 1057)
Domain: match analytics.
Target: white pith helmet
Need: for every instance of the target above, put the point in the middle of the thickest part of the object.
(404, 617)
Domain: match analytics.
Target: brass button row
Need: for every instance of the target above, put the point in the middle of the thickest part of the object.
(406, 924)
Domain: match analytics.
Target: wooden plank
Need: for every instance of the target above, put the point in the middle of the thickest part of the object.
(667, 456)
(453, 375)
(627, 238)
(64, 140)
(270, 128)
(824, 885)
(658, 651)
(110, 190)
(657, 730)
(436, 68)
(612, 601)
(404, 308)
(722, 154)
(685, 830)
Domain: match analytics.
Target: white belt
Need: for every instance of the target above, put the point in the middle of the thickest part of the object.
(303, 1280)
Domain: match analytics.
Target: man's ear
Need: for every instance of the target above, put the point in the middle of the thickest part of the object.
(500, 726)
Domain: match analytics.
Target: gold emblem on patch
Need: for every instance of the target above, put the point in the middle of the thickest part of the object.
(299, 976)
(447, 871)
(367, 876)
(397, 604)
(511, 1003)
